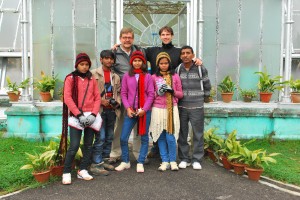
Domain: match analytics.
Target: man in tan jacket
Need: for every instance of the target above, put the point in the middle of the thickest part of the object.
(109, 87)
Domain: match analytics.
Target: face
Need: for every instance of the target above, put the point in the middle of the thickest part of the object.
(127, 40)
(107, 61)
(186, 56)
(83, 67)
(166, 37)
(163, 64)
(137, 63)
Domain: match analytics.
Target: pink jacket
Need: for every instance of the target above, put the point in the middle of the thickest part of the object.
(92, 100)
(160, 101)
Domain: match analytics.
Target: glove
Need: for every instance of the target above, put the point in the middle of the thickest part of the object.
(161, 90)
(82, 120)
(169, 89)
(90, 119)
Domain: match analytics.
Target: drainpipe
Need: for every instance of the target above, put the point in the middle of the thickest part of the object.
(113, 23)
(288, 51)
(24, 22)
(200, 22)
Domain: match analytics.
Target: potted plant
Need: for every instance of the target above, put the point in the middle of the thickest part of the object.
(14, 88)
(247, 94)
(254, 160)
(226, 87)
(40, 163)
(212, 143)
(46, 86)
(268, 85)
(226, 148)
(212, 94)
(295, 86)
(60, 93)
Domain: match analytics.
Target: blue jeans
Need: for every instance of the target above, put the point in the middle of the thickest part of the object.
(103, 140)
(127, 128)
(167, 147)
(75, 137)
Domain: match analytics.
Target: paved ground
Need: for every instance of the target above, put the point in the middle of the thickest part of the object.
(212, 182)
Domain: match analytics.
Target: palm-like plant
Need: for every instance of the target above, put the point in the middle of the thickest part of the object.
(14, 87)
(46, 83)
(295, 85)
(268, 84)
(39, 162)
(227, 85)
(255, 159)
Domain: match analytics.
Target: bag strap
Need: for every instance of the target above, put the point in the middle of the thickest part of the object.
(85, 94)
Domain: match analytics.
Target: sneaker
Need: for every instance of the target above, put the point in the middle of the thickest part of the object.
(113, 160)
(140, 168)
(196, 165)
(183, 164)
(66, 179)
(98, 169)
(164, 166)
(174, 166)
(123, 166)
(108, 167)
(83, 174)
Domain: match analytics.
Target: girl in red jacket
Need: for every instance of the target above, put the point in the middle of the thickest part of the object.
(82, 99)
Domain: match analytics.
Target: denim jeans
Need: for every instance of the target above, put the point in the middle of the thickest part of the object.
(75, 137)
(127, 128)
(167, 147)
(103, 140)
(196, 117)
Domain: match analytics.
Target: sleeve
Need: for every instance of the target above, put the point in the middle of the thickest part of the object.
(97, 99)
(177, 87)
(118, 89)
(150, 93)
(124, 92)
(206, 81)
(68, 85)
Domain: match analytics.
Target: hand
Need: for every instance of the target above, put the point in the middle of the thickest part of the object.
(115, 47)
(198, 61)
(141, 112)
(161, 90)
(82, 120)
(169, 89)
(130, 112)
(105, 102)
(90, 120)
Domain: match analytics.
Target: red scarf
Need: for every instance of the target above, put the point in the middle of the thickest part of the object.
(141, 96)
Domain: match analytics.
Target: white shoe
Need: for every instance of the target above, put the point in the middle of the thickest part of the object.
(66, 179)
(183, 164)
(174, 166)
(140, 168)
(123, 166)
(164, 166)
(83, 174)
(196, 165)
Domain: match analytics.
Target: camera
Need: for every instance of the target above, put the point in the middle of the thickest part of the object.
(113, 103)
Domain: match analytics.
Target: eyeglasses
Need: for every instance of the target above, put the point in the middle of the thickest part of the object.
(127, 38)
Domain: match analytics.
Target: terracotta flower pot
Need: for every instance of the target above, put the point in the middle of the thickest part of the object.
(254, 174)
(226, 163)
(227, 97)
(265, 97)
(247, 98)
(211, 155)
(57, 170)
(13, 96)
(46, 96)
(42, 177)
(238, 168)
(295, 97)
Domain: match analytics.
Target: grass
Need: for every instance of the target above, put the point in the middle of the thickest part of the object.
(287, 168)
(12, 157)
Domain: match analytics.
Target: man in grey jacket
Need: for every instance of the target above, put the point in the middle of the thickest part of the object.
(196, 89)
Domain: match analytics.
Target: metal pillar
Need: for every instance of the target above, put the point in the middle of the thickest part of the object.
(288, 49)
(25, 69)
(113, 37)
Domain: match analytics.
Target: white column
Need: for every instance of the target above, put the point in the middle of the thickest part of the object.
(288, 49)
(119, 16)
(113, 23)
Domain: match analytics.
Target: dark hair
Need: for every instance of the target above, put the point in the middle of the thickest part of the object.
(187, 47)
(107, 54)
(170, 69)
(166, 28)
(143, 68)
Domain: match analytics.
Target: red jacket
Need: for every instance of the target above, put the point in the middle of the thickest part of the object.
(92, 100)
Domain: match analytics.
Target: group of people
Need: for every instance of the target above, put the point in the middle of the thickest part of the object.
(106, 103)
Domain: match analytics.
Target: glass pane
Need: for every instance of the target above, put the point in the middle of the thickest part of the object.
(10, 3)
(14, 70)
(84, 15)
(147, 17)
(8, 30)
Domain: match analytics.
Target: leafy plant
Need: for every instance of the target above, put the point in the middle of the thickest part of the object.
(39, 162)
(228, 145)
(14, 87)
(294, 85)
(255, 158)
(211, 140)
(227, 85)
(268, 84)
(46, 83)
(213, 92)
(53, 145)
(248, 93)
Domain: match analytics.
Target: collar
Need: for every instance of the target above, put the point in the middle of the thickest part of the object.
(167, 46)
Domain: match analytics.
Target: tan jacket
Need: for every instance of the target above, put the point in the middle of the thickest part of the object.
(98, 74)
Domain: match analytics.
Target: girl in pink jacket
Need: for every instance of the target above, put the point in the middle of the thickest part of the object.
(165, 124)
